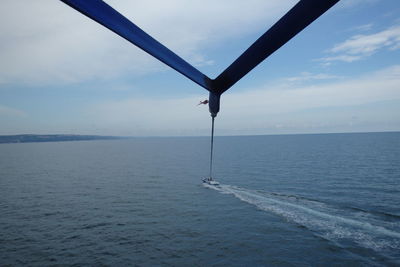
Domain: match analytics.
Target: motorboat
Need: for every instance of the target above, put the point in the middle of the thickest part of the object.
(210, 181)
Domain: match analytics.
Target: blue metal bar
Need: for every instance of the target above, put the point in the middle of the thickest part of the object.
(298, 18)
(107, 16)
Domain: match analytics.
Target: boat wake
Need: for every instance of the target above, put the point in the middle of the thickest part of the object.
(333, 223)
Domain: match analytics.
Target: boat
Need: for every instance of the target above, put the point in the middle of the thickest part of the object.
(210, 181)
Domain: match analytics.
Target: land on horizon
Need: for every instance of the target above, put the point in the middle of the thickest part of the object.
(35, 138)
(29, 138)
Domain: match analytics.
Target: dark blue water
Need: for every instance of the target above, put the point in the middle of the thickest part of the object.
(294, 200)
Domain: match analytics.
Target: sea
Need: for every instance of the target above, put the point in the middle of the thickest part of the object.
(283, 200)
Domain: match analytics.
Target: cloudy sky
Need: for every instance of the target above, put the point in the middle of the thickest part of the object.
(60, 72)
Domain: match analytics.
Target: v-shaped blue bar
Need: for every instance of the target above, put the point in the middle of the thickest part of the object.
(298, 18)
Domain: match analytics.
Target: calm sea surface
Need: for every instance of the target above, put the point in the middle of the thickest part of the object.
(294, 200)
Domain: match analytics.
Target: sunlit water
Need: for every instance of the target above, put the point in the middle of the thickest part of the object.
(283, 200)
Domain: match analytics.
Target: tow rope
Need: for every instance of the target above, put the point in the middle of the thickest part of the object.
(212, 144)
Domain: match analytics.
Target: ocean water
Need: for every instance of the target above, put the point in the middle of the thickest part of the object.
(290, 200)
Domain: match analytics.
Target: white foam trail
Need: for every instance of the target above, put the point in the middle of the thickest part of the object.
(328, 224)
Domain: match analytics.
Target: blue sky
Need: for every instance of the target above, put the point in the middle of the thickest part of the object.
(60, 72)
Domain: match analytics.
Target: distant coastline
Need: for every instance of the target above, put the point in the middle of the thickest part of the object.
(41, 138)
(32, 138)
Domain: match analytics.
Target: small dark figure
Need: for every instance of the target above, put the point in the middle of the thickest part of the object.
(205, 102)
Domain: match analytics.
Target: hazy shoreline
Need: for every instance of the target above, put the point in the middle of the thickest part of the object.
(33, 138)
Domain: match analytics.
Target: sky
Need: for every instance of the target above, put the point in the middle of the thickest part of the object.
(62, 73)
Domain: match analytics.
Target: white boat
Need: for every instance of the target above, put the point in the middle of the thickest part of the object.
(210, 181)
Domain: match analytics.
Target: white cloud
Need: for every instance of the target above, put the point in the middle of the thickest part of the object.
(344, 58)
(364, 27)
(379, 86)
(353, 3)
(143, 116)
(362, 46)
(252, 111)
(307, 76)
(47, 41)
(11, 112)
